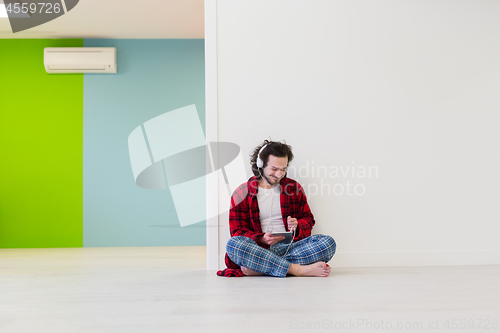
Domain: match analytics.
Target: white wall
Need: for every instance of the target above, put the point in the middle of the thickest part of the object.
(410, 88)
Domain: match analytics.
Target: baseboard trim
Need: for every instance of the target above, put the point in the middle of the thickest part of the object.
(424, 258)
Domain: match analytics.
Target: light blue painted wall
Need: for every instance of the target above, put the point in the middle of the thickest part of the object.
(154, 76)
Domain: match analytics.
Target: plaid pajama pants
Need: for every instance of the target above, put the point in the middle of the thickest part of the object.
(243, 251)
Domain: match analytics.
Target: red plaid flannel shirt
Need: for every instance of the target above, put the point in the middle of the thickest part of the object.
(244, 218)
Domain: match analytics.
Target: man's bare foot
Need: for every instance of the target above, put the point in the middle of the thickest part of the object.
(316, 269)
(249, 272)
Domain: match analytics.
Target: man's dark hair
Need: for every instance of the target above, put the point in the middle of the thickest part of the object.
(274, 148)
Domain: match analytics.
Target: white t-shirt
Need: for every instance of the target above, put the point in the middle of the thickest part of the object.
(270, 209)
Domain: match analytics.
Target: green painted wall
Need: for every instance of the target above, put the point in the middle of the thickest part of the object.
(41, 138)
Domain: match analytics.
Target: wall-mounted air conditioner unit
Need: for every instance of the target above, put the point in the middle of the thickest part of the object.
(80, 59)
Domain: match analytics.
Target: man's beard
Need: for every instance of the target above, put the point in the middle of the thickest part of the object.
(272, 181)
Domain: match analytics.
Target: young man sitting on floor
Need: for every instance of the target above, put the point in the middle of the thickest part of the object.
(268, 203)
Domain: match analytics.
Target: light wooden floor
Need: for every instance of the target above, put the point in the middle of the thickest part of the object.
(163, 289)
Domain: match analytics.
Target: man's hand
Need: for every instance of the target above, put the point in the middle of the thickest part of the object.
(292, 223)
(271, 240)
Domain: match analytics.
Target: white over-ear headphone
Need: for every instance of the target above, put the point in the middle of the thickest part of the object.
(260, 162)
